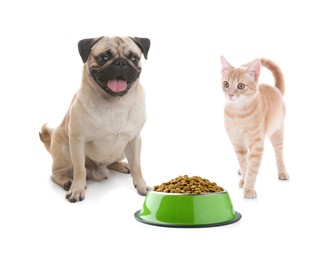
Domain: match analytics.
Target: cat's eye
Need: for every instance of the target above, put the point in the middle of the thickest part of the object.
(241, 86)
(226, 84)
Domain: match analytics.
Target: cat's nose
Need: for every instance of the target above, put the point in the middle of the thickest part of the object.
(230, 95)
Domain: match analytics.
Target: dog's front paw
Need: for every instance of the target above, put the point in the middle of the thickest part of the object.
(76, 194)
(141, 187)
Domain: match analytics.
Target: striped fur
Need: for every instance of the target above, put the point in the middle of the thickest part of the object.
(253, 112)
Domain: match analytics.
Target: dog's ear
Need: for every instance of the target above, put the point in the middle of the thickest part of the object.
(85, 45)
(143, 44)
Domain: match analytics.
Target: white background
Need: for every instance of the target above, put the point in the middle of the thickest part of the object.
(41, 69)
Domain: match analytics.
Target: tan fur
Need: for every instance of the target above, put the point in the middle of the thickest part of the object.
(99, 130)
(251, 114)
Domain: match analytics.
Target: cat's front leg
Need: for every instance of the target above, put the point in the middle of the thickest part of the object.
(241, 152)
(254, 162)
(242, 179)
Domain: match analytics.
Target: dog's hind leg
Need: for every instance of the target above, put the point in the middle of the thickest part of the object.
(63, 180)
(62, 175)
(62, 169)
(122, 167)
(96, 171)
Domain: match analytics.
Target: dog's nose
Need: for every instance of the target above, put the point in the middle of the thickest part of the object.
(120, 63)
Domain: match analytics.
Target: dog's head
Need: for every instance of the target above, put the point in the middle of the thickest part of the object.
(113, 63)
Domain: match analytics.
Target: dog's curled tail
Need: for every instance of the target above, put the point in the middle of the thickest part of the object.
(276, 72)
(45, 136)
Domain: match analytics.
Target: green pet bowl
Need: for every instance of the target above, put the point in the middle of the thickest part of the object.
(187, 210)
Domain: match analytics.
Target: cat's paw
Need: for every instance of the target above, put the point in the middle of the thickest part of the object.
(241, 183)
(283, 176)
(250, 194)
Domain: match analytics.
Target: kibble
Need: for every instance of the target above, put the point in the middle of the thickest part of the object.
(188, 185)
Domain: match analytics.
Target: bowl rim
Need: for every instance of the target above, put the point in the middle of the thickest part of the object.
(187, 194)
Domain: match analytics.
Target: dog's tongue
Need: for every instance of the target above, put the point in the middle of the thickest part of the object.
(117, 85)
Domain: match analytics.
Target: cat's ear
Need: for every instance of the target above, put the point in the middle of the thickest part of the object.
(253, 69)
(225, 65)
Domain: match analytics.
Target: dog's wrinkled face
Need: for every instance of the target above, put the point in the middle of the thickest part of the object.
(114, 62)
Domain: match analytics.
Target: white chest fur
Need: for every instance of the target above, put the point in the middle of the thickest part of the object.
(107, 126)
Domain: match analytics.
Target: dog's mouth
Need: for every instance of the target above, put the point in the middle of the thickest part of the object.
(118, 85)
(116, 80)
(114, 87)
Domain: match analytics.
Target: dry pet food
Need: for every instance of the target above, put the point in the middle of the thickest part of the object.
(188, 185)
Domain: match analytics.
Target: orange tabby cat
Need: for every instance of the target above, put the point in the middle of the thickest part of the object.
(253, 111)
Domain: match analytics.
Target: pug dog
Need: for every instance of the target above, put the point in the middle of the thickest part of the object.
(103, 123)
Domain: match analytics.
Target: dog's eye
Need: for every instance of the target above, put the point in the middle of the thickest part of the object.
(226, 84)
(241, 86)
(102, 59)
(134, 58)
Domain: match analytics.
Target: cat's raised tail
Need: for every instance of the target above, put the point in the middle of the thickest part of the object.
(276, 72)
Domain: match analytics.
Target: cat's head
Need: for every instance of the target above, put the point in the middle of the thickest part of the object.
(240, 84)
